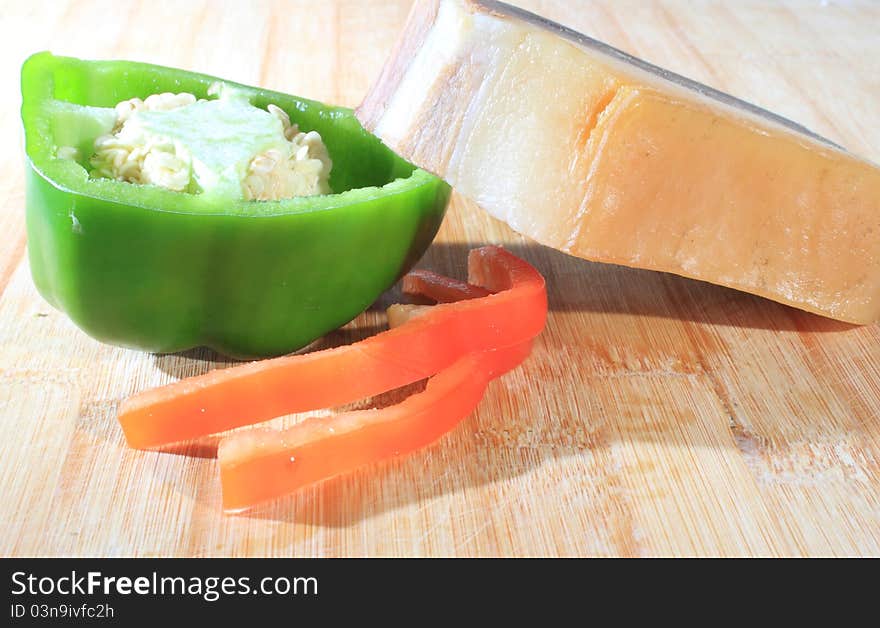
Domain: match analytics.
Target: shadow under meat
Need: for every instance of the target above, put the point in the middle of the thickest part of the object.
(575, 284)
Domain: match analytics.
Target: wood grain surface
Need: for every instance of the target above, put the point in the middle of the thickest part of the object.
(657, 415)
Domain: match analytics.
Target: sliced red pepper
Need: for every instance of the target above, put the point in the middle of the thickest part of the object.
(400, 313)
(425, 345)
(259, 465)
(440, 288)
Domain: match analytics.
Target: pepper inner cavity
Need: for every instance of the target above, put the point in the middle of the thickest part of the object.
(224, 146)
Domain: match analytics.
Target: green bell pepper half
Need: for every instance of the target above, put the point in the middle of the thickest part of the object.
(145, 267)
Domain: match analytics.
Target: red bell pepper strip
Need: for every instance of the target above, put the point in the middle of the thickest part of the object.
(427, 344)
(400, 313)
(261, 464)
(440, 288)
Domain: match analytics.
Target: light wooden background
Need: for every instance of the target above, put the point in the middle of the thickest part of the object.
(657, 416)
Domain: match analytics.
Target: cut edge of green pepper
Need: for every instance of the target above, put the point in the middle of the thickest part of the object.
(40, 85)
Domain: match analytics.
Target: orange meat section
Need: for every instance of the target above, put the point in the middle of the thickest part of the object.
(683, 188)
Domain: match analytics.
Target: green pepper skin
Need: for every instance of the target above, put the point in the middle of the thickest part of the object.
(144, 267)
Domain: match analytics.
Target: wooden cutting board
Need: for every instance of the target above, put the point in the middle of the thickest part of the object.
(657, 416)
